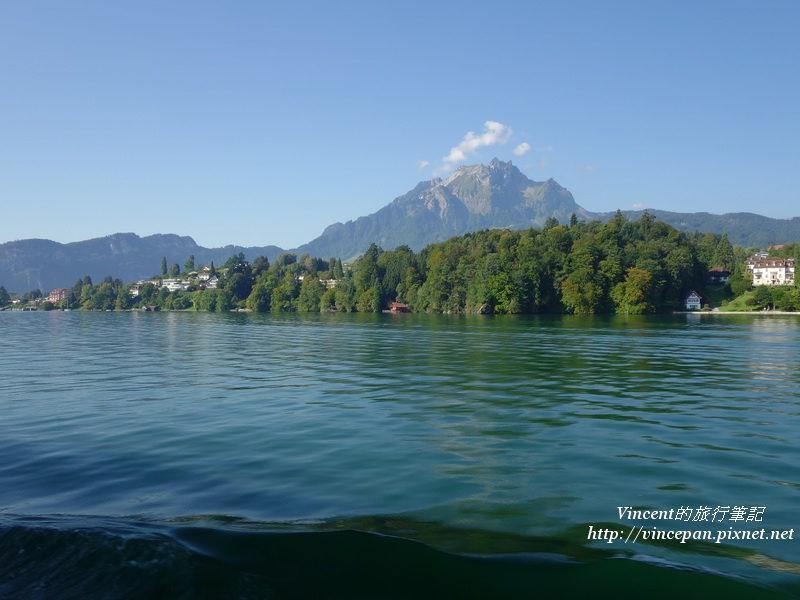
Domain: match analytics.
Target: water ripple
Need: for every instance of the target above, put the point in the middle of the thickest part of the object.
(281, 417)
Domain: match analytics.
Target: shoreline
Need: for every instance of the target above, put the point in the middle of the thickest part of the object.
(739, 312)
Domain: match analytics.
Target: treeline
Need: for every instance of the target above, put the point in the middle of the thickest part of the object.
(643, 266)
(771, 297)
(622, 266)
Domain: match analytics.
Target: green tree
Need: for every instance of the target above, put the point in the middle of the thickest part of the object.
(645, 225)
(284, 295)
(189, 264)
(238, 286)
(223, 301)
(259, 299)
(211, 300)
(284, 259)
(174, 270)
(328, 300)
(580, 292)
(706, 248)
(163, 265)
(238, 280)
(235, 263)
(5, 297)
(723, 254)
(204, 300)
(368, 300)
(177, 300)
(632, 296)
(103, 297)
(344, 295)
(550, 223)
(408, 286)
(502, 293)
(87, 293)
(311, 292)
(763, 296)
(260, 264)
(162, 297)
(123, 300)
(789, 300)
(781, 298)
(738, 283)
(147, 295)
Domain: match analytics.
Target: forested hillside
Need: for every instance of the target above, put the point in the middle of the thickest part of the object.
(622, 266)
(642, 266)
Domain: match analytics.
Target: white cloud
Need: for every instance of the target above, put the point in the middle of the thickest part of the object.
(587, 168)
(495, 133)
(423, 163)
(523, 148)
(638, 206)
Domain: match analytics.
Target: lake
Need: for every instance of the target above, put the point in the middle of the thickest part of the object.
(195, 455)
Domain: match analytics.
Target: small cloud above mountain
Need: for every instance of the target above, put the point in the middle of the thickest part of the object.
(494, 134)
(522, 148)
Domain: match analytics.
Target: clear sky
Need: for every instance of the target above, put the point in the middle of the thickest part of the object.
(262, 122)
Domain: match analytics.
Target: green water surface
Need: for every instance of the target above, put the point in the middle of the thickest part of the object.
(479, 436)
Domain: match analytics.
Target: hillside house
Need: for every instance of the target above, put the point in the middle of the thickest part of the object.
(718, 275)
(771, 271)
(693, 301)
(59, 294)
(174, 285)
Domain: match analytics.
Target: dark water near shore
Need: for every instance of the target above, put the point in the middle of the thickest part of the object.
(188, 455)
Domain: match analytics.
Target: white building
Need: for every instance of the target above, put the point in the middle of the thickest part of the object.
(771, 271)
(174, 285)
(693, 301)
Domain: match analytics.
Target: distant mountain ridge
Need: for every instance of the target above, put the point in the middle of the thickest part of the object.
(43, 264)
(474, 197)
(743, 228)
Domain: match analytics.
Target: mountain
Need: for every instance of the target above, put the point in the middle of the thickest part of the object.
(743, 228)
(472, 198)
(498, 195)
(42, 264)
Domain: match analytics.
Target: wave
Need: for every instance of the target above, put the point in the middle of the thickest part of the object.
(224, 558)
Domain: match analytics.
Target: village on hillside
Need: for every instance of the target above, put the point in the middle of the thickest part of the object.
(760, 269)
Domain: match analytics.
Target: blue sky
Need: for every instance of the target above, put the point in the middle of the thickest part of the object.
(257, 123)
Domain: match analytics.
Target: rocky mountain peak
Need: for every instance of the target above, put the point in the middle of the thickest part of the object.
(472, 197)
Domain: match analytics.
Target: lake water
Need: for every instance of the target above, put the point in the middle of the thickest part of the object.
(191, 455)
